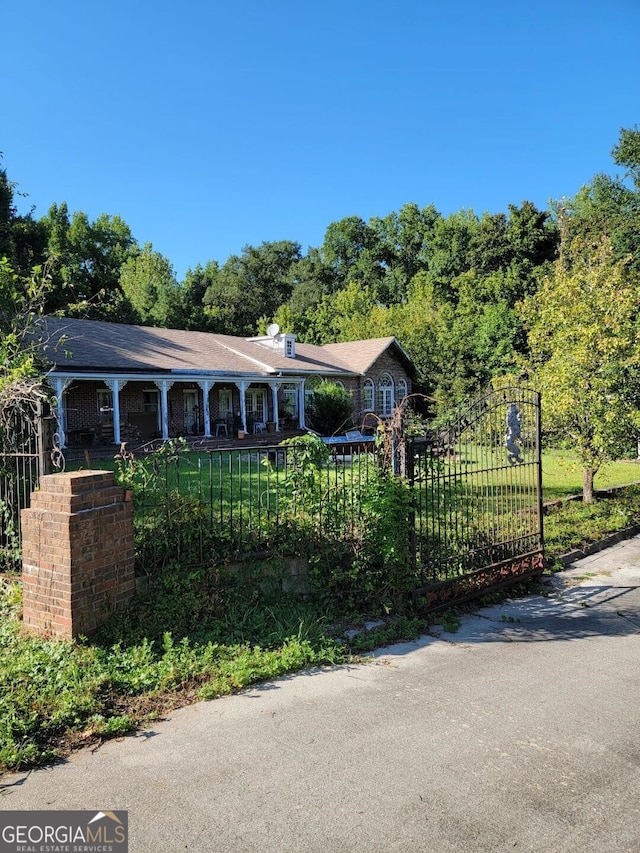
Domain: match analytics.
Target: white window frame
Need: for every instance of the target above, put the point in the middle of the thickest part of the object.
(256, 399)
(290, 396)
(368, 395)
(104, 402)
(225, 402)
(385, 395)
(402, 389)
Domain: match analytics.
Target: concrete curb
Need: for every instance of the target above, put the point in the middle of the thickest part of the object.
(600, 545)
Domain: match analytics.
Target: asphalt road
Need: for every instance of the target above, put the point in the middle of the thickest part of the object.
(520, 732)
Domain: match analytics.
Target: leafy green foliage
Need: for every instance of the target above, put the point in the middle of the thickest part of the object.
(149, 284)
(584, 347)
(10, 550)
(251, 285)
(331, 408)
(572, 524)
(21, 300)
(88, 256)
(378, 575)
(57, 694)
(627, 153)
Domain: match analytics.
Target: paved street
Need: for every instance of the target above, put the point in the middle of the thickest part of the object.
(520, 732)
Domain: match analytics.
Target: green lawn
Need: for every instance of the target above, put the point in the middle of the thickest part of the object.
(562, 474)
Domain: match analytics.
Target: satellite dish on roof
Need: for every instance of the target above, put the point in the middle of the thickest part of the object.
(273, 330)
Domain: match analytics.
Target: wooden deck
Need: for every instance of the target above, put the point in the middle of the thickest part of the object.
(92, 452)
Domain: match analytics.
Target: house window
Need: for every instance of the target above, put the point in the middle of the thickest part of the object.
(290, 346)
(402, 390)
(367, 395)
(309, 390)
(151, 403)
(385, 395)
(290, 401)
(256, 405)
(224, 402)
(105, 402)
(150, 400)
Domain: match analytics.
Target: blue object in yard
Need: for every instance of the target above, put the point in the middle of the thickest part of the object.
(347, 441)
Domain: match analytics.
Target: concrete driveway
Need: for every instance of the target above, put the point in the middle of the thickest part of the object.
(520, 732)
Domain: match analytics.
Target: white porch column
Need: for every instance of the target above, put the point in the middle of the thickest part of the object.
(164, 385)
(206, 386)
(242, 387)
(59, 386)
(303, 425)
(116, 385)
(274, 402)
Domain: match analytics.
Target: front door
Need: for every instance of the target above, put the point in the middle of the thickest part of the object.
(191, 425)
(256, 405)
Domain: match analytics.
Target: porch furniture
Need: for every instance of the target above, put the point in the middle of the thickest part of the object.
(80, 436)
(259, 427)
(221, 428)
(146, 422)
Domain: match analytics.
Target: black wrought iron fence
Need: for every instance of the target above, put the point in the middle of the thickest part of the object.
(473, 518)
(25, 445)
(477, 497)
(198, 505)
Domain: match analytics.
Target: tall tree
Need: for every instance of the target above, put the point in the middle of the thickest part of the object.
(194, 288)
(402, 239)
(627, 153)
(88, 257)
(22, 238)
(353, 251)
(584, 341)
(450, 251)
(350, 314)
(252, 285)
(148, 282)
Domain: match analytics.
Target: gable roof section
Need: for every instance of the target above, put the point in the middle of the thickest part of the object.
(99, 346)
(361, 355)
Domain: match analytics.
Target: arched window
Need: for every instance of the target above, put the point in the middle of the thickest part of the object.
(367, 395)
(385, 396)
(401, 390)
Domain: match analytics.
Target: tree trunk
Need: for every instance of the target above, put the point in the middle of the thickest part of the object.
(587, 484)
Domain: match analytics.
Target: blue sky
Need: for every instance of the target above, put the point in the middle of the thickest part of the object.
(208, 125)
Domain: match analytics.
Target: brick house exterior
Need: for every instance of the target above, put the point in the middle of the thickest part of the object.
(117, 381)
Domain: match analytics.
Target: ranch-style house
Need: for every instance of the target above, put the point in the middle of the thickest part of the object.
(115, 381)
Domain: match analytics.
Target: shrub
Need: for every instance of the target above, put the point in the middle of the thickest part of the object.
(331, 409)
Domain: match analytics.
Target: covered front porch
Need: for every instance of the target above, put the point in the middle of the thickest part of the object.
(94, 410)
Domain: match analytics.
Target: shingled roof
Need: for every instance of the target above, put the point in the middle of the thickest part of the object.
(97, 346)
(361, 355)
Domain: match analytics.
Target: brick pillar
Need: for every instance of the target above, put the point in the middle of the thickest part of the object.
(77, 553)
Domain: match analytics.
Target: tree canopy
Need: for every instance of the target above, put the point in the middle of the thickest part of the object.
(584, 355)
(470, 296)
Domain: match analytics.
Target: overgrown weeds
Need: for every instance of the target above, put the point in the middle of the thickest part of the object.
(56, 694)
(574, 524)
